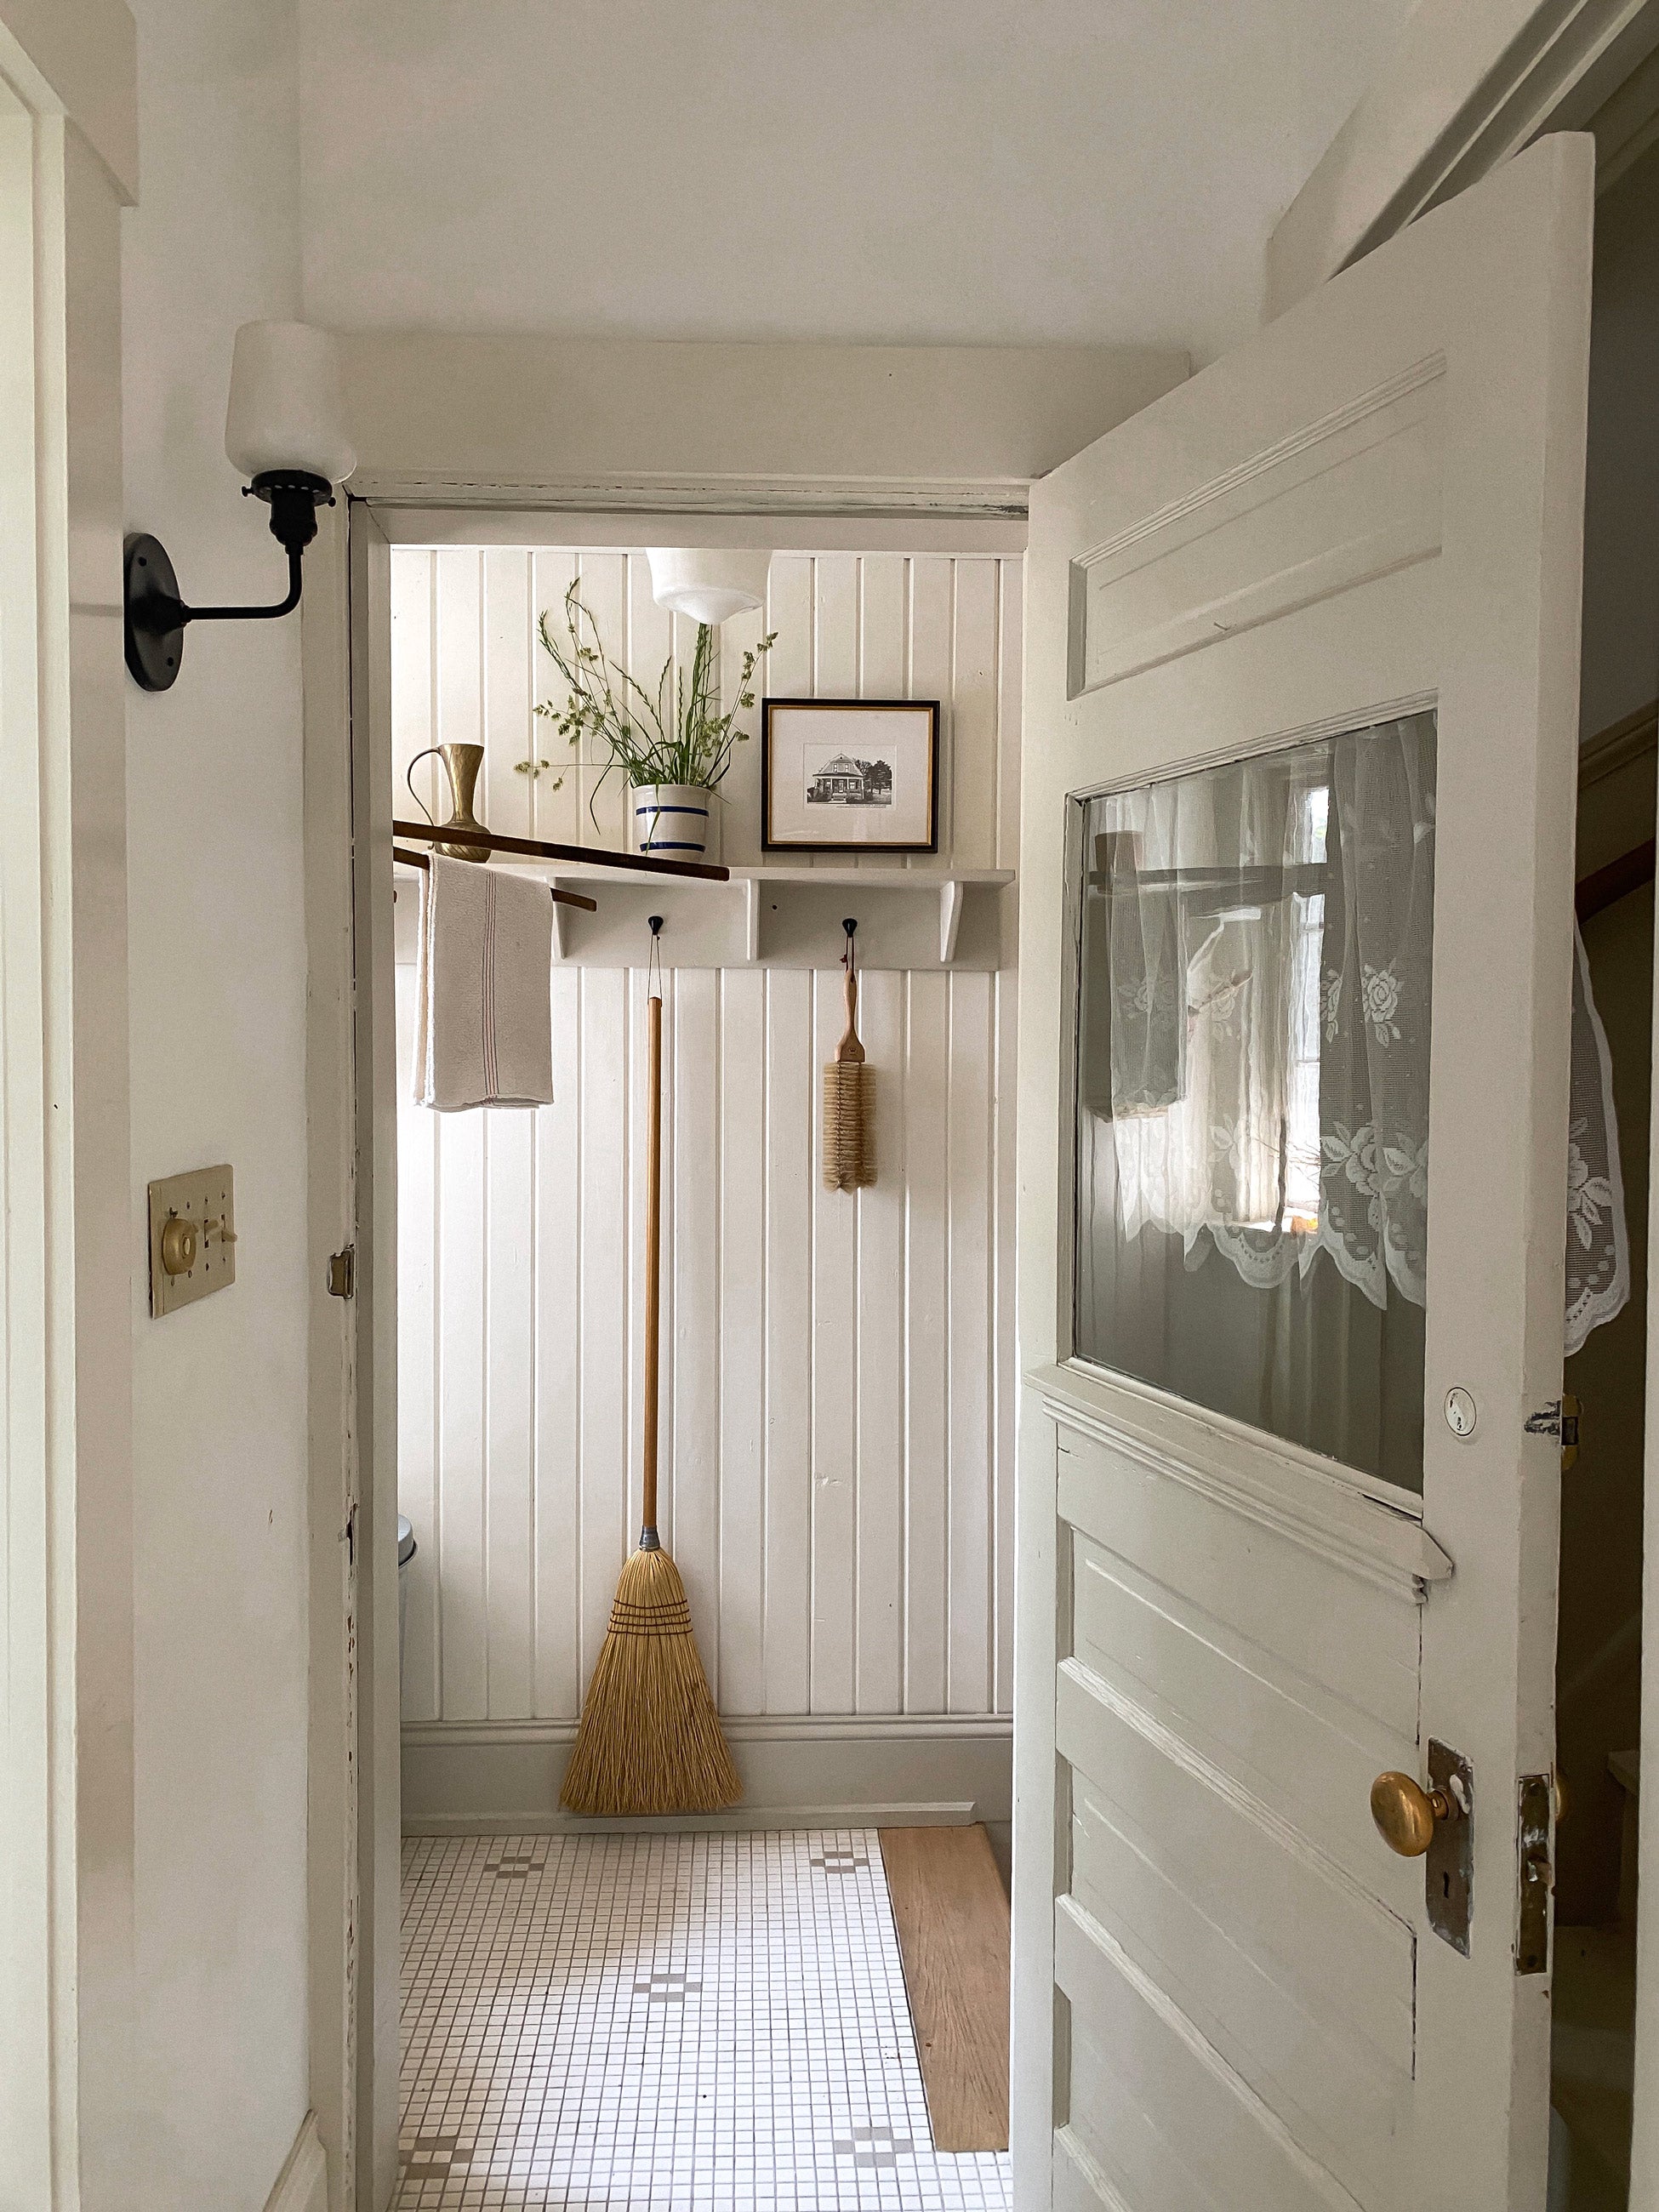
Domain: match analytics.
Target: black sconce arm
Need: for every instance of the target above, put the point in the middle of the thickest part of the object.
(155, 614)
(158, 611)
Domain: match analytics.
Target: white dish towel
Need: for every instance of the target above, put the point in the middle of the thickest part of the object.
(484, 1023)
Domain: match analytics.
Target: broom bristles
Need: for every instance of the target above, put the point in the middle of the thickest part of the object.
(650, 1738)
(849, 1125)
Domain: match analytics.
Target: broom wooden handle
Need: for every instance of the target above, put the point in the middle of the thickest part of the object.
(652, 1274)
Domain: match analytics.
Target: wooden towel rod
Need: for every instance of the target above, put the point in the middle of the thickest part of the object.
(559, 898)
(583, 855)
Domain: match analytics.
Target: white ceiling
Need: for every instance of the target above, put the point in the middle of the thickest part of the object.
(912, 171)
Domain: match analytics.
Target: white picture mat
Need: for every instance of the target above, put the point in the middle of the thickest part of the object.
(804, 739)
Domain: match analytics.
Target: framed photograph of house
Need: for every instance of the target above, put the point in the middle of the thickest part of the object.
(849, 775)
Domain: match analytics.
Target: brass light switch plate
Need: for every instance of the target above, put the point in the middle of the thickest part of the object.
(192, 1237)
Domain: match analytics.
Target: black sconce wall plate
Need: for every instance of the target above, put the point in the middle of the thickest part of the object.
(156, 615)
(155, 636)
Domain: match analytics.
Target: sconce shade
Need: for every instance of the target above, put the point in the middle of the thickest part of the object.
(709, 586)
(286, 410)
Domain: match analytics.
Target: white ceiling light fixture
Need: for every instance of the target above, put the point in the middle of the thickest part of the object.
(709, 585)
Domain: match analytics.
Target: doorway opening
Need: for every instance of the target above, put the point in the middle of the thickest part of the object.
(805, 1999)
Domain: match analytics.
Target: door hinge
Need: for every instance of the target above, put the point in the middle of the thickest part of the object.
(1535, 1874)
(1558, 1418)
(343, 1272)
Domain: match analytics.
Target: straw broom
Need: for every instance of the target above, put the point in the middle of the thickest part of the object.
(849, 1097)
(650, 1739)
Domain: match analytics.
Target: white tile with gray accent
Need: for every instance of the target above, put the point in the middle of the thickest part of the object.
(643, 2022)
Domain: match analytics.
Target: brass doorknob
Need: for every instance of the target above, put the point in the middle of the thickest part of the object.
(178, 1245)
(1405, 1813)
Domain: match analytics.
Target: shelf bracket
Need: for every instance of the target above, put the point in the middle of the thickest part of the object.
(751, 914)
(560, 943)
(951, 896)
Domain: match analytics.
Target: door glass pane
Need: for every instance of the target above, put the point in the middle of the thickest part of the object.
(1253, 1089)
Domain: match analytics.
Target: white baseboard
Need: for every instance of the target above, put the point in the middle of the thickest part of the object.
(479, 1777)
(302, 2185)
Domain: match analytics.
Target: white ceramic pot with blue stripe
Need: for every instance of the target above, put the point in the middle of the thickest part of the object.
(670, 818)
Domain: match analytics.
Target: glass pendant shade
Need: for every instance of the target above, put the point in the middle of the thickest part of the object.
(708, 585)
(285, 407)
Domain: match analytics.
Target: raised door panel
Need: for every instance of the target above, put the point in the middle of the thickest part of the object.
(1245, 1572)
(1347, 500)
(1159, 2119)
(1292, 1678)
(1228, 1695)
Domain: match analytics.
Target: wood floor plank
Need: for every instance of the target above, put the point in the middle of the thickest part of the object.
(952, 1914)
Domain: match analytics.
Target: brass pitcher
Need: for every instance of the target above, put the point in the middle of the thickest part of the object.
(463, 765)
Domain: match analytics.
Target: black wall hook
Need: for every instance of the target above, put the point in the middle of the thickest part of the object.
(653, 959)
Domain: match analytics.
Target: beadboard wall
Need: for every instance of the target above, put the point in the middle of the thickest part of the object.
(467, 668)
(837, 1372)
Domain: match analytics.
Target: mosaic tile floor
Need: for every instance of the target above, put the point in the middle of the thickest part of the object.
(628, 2022)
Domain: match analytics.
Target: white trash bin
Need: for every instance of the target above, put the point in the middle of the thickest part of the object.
(405, 1554)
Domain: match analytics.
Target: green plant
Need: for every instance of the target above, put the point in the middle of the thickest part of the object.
(676, 734)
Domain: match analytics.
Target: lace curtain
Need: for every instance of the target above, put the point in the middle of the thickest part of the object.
(1598, 1245)
(1269, 933)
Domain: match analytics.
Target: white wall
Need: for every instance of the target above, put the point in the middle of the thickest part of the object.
(965, 174)
(218, 971)
(504, 421)
(837, 1464)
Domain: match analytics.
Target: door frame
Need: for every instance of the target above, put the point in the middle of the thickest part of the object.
(356, 1836)
(1011, 414)
(1466, 84)
(355, 1735)
(68, 164)
(355, 1832)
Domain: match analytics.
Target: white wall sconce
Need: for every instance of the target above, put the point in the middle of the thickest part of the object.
(709, 586)
(285, 431)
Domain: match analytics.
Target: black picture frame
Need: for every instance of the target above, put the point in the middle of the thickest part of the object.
(771, 843)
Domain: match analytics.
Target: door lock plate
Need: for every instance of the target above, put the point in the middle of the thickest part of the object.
(1558, 1418)
(1448, 1863)
(1535, 1878)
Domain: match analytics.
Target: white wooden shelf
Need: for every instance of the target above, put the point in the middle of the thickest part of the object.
(781, 916)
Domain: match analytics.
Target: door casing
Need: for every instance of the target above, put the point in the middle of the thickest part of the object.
(68, 161)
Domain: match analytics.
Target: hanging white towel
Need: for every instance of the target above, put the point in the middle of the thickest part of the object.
(483, 1024)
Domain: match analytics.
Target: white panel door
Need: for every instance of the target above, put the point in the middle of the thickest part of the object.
(1331, 584)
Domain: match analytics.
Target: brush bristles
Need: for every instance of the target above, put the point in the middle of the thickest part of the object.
(650, 1739)
(849, 1125)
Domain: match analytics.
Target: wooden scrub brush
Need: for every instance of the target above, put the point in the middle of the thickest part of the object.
(849, 1100)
